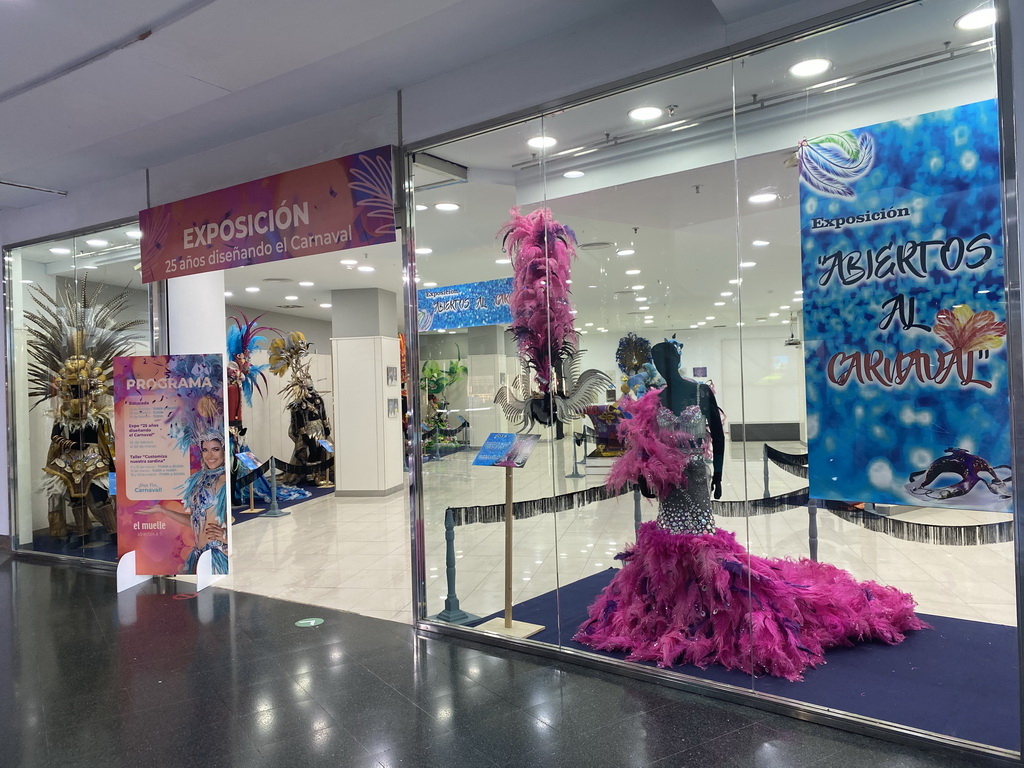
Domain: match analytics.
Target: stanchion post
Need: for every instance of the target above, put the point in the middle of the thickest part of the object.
(637, 518)
(812, 528)
(764, 459)
(452, 613)
(508, 547)
(575, 465)
(274, 510)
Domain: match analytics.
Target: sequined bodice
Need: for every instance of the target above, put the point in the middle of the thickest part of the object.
(204, 500)
(687, 510)
(689, 427)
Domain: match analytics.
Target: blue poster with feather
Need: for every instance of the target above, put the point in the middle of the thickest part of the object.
(905, 312)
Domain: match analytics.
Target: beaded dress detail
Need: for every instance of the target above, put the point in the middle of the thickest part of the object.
(204, 500)
(689, 593)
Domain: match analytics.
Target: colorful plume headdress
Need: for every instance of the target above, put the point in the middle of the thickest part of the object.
(243, 340)
(633, 353)
(289, 354)
(198, 413)
(72, 344)
(541, 250)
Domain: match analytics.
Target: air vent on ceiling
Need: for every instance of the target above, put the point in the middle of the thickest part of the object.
(596, 245)
(277, 280)
(289, 306)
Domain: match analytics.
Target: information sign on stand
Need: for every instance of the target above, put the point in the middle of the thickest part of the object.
(503, 449)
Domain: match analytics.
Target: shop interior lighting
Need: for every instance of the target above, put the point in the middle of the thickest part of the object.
(570, 151)
(702, 322)
(719, 303)
(648, 322)
(591, 286)
(306, 284)
(710, 317)
(88, 266)
(134, 234)
(740, 324)
(763, 197)
(503, 261)
(839, 87)
(798, 299)
(430, 285)
(420, 207)
(833, 81)
(684, 127)
(574, 174)
(603, 330)
(625, 252)
(228, 294)
(252, 289)
(977, 19)
(97, 243)
(588, 325)
(585, 152)
(636, 287)
(663, 126)
(568, 282)
(365, 268)
(541, 142)
(291, 298)
(693, 326)
(25, 282)
(773, 314)
(60, 251)
(446, 207)
(727, 294)
(643, 308)
(325, 306)
(648, 317)
(760, 243)
(810, 67)
(631, 272)
(646, 113)
(784, 306)
(799, 293)
(640, 299)
(423, 251)
(347, 263)
(747, 264)
(737, 281)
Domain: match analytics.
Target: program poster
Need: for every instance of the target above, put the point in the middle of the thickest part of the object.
(904, 312)
(171, 480)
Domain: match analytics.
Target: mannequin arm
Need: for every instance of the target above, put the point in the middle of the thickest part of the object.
(714, 418)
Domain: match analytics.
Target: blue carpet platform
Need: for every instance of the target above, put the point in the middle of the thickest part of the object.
(958, 679)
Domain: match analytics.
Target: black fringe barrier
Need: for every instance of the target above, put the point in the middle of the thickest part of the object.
(495, 513)
(794, 463)
(250, 478)
(446, 431)
(905, 530)
(304, 469)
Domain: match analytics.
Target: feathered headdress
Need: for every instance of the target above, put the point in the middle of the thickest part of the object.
(72, 345)
(633, 352)
(198, 414)
(243, 340)
(541, 250)
(289, 353)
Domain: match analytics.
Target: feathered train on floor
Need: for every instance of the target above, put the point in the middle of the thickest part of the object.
(703, 599)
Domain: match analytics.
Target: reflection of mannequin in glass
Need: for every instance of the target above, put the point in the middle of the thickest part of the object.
(689, 593)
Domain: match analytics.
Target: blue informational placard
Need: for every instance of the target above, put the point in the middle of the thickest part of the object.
(465, 306)
(904, 312)
(503, 449)
(248, 460)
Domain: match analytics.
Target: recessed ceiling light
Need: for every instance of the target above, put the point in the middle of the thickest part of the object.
(541, 142)
(710, 317)
(632, 271)
(135, 234)
(810, 67)
(503, 261)
(702, 322)
(325, 306)
(725, 293)
(365, 268)
(719, 303)
(648, 317)
(306, 284)
(636, 287)
(420, 207)
(646, 113)
(447, 207)
(252, 289)
(588, 325)
(424, 251)
(430, 285)
(229, 294)
(60, 251)
(773, 314)
(784, 306)
(97, 243)
(291, 298)
(798, 299)
(643, 308)
(574, 174)
(25, 282)
(347, 263)
(648, 322)
(982, 17)
(763, 197)
(747, 264)
(737, 281)
(89, 266)
(760, 243)
(625, 252)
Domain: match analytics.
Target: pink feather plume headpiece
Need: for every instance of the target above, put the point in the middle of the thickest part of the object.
(541, 250)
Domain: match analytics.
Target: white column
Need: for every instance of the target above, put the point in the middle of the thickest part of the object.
(196, 318)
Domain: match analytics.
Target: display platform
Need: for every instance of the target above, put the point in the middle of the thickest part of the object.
(241, 514)
(941, 680)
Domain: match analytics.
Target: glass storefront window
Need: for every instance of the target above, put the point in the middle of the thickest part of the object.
(808, 242)
(73, 303)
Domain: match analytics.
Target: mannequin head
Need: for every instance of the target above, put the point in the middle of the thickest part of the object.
(666, 358)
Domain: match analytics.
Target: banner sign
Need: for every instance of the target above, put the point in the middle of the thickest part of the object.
(465, 306)
(904, 312)
(171, 481)
(343, 203)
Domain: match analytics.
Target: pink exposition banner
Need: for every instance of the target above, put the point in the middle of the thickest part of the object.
(172, 484)
(343, 203)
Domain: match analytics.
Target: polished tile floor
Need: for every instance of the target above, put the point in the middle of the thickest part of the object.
(353, 554)
(161, 677)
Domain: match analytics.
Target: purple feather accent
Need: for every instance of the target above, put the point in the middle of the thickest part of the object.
(541, 250)
(671, 604)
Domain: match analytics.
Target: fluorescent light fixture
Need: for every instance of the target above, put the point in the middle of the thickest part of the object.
(585, 152)
(349, 262)
(365, 268)
(719, 303)
(632, 271)
(810, 67)
(701, 322)
(569, 151)
(588, 325)
(420, 207)
(503, 261)
(737, 281)
(541, 142)
(726, 293)
(325, 306)
(591, 286)
(648, 317)
(694, 325)
(97, 243)
(134, 234)
(291, 298)
(976, 19)
(741, 324)
(827, 82)
(747, 264)
(60, 251)
(603, 330)
(648, 322)
(644, 308)
(773, 314)
(25, 282)
(684, 127)
(574, 174)
(625, 252)
(710, 317)
(663, 126)
(646, 113)
(798, 299)
(306, 284)
(763, 197)
(636, 287)
(640, 299)
(424, 251)
(446, 207)
(760, 243)
(228, 294)
(801, 293)
(252, 289)
(784, 306)
(88, 266)
(430, 285)
(839, 87)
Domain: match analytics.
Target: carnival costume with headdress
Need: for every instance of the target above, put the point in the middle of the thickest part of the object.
(196, 419)
(244, 378)
(308, 423)
(689, 593)
(72, 344)
(542, 251)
